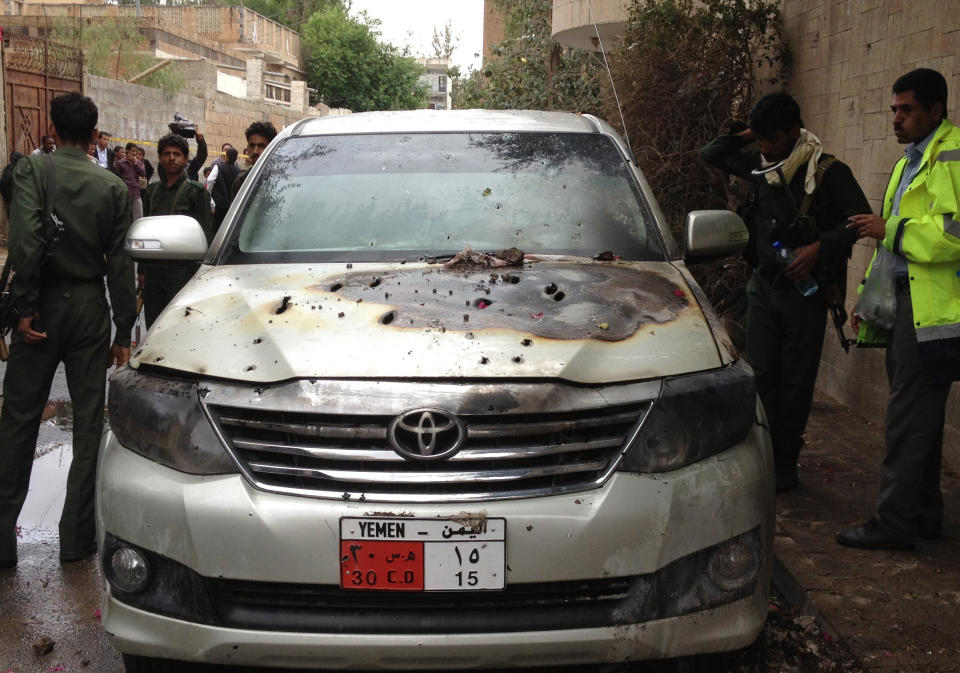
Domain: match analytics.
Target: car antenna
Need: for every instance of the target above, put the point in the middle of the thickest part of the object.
(616, 96)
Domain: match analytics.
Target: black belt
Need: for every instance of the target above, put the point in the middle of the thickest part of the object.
(70, 288)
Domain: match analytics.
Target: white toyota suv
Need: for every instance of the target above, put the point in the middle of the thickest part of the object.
(443, 394)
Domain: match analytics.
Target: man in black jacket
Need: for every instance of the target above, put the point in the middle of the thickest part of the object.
(226, 173)
(784, 328)
(103, 154)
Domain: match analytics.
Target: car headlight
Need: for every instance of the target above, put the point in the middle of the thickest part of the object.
(696, 416)
(160, 418)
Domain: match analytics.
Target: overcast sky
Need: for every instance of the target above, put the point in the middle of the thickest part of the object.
(411, 22)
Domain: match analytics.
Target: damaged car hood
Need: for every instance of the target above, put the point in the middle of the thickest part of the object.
(581, 321)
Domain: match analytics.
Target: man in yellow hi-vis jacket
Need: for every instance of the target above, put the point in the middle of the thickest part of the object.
(920, 224)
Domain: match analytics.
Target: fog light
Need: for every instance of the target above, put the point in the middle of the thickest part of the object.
(129, 570)
(733, 565)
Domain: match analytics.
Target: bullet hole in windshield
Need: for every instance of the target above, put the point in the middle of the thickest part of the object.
(388, 317)
(375, 282)
(527, 342)
(258, 340)
(518, 359)
(559, 296)
(283, 305)
(251, 368)
(484, 360)
(335, 287)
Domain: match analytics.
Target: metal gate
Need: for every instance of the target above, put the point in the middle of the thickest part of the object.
(35, 72)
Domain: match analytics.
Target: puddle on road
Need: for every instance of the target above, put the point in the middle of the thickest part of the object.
(60, 413)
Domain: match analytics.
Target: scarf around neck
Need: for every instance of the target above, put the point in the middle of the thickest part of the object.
(807, 151)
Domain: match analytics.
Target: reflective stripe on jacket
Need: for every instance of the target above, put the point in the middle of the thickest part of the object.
(927, 234)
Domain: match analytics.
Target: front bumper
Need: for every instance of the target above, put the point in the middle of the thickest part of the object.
(223, 529)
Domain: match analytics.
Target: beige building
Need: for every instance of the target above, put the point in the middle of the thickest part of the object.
(437, 82)
(589, 24)
(846, 56)
(228, 36)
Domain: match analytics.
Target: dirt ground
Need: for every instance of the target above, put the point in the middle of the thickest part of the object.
(897, 611)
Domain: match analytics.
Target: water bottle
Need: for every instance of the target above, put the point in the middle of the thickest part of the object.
(806, 285)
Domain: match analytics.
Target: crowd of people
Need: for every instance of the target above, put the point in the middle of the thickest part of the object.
(97, 191)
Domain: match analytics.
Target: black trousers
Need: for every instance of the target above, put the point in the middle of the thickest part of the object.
(161, 284)
(784, 342)
(910, 474)
(77, 321)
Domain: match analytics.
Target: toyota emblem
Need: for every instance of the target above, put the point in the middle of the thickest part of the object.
(426, 434)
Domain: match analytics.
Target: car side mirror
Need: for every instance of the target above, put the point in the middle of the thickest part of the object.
(711, 234)
(166, 238)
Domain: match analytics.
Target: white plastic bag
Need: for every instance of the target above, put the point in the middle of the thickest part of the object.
(878, 301)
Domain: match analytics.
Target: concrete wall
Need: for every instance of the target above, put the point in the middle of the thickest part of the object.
(233, 30)
(847, 54)
(141, 113)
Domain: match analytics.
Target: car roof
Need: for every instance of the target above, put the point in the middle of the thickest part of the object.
(448, 121)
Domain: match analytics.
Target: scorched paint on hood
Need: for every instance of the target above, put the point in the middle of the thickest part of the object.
(582, 321)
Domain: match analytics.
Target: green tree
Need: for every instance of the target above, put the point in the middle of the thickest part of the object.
(350, 67)
(294, 14)
(110, 50)
(683, 72)
(530, 70)
(444, 42)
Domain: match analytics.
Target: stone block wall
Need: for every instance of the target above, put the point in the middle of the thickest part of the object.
(141, 114)
(846, 56)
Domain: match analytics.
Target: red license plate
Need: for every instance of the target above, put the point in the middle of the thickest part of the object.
(395, 565)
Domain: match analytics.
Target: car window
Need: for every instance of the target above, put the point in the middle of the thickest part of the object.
(377, 197)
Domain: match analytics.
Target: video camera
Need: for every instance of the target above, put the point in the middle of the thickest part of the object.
(182, 126)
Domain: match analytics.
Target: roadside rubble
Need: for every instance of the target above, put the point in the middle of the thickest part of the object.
(793, 642)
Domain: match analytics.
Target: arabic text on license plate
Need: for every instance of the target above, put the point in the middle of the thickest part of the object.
(390, 554)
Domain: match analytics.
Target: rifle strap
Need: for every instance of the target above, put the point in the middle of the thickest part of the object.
(5, 274)
(822, 167)
(51, 185)
(49, 238)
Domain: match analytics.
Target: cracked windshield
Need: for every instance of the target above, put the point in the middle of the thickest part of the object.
(427, 195)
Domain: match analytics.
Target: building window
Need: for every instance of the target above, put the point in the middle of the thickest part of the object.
(442, 83)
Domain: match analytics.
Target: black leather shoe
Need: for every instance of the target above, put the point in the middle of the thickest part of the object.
(930, 531)
(787, 481)
(871, 536)
(70, 557)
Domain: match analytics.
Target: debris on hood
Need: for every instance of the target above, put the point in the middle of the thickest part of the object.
(606, 256)
(469, 259)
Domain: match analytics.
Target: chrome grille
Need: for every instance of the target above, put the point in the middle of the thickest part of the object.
(346, 454)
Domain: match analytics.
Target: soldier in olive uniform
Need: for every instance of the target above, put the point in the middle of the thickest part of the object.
(174, 194)
(65, 318)
(785, 329)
